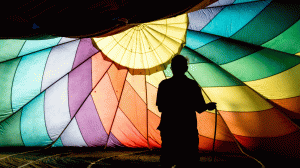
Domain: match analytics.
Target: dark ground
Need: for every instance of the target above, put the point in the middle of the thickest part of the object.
(108, 158)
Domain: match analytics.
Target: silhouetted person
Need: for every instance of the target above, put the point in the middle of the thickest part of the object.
(178, 99)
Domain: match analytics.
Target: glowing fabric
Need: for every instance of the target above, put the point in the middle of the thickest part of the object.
(146, 45)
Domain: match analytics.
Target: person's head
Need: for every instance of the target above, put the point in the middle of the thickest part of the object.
(179, 65)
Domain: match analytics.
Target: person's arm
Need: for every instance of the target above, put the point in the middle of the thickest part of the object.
(201, 105)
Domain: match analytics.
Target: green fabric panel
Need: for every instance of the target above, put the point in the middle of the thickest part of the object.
(10, 49)
(211, 75)
(288, 41)
(10, 133)
(273, 20)
(225, 50)
(168, 71)
(262, 64)
(192, 56)
(7, 71)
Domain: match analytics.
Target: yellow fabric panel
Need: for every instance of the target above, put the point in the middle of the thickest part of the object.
(207, 100)
(237, 98)
(147, 45)
(155, 78)
(138, 83)
(106, 43)
(298, 54)
(280, 86)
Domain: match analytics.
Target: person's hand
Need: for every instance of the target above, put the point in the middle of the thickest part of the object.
(211, 106)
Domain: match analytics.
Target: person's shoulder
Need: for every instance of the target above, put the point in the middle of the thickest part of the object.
(163, 82)
(192, 82)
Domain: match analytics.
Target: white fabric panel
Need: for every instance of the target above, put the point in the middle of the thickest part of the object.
(59, 63)
(72, 135)
(66, 39)
(57, 115)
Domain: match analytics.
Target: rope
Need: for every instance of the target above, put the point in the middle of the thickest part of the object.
(93, 163)
(215, 134)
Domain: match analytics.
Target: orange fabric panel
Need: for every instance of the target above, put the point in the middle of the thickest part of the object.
(291, 106)
(288, 145)
(126, 132)
(105, 101)
(206, 127)
(117, 76)
(153, 122)
(153, 144)
(99, 67)
(206, 144)
(134, 108)
(151, 99)
(267, 123)
(138, 83)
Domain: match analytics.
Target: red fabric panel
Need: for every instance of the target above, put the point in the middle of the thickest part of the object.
(126, 132)
(288, 145)
(206, 144)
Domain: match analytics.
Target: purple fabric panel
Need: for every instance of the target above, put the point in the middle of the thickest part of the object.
(199, 19)
(113, 141)
(90, 125)
(85, 50)
(80, 85)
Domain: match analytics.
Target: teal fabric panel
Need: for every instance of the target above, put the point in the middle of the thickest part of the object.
(244, 1)
(225, 50)
(196, 39)
(58, 143)
(28, 79)
(31, 46)
(33, 127)
(271, 22)
(262, 64)
(232, 18)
